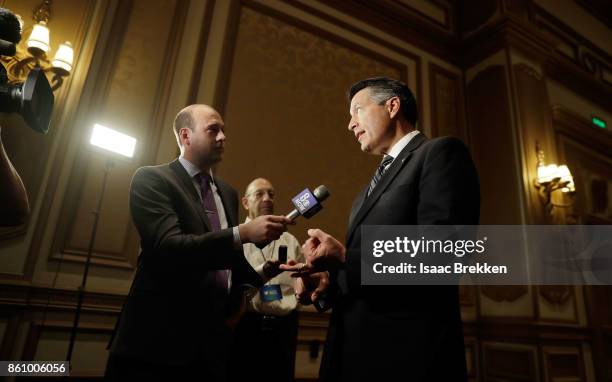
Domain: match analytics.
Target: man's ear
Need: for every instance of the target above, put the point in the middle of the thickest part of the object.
(245, 203)
(184, 135)
(393, 106)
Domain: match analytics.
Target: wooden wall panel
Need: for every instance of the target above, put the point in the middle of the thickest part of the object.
(50, 342)
(535, 126)
(563, 364)
(447, 103)
(491, 138)
(503, 362)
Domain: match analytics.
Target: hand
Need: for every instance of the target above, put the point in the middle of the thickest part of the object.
(263, 229)
(271, 268)
(322, 251)
(308, 288)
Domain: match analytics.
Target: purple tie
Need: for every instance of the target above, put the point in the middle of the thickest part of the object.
(210, 207)
(208, 201)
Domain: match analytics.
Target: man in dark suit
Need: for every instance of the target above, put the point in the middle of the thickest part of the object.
(411, 333)
(191, 269)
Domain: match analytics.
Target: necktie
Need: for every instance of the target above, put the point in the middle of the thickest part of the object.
(379, 172)
(208, 201)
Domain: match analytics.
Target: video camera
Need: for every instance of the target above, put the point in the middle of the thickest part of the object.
(33, 98)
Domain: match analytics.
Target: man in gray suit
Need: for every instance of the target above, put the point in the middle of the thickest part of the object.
(191, 270)
(411, 333)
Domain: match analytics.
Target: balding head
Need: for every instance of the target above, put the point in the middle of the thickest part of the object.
(185, 118)
(259, 198)
(199, 131)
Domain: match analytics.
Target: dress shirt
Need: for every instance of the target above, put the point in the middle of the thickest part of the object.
(399, 146)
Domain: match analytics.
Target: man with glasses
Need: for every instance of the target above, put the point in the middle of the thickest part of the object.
(267, 333)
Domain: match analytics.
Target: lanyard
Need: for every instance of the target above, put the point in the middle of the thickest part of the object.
(272, 253)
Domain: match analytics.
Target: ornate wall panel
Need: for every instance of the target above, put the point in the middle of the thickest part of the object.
(592, 66)
(447, 103)
(509, 362)
(491, 139)
(563, 364)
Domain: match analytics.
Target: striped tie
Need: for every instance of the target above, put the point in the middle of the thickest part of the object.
(379, 172)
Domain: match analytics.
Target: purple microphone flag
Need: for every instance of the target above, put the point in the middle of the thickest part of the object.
(304, 201)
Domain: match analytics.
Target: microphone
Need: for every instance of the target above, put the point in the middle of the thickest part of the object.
(308, 203)
(282, 254)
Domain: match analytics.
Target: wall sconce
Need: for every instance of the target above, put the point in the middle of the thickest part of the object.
(551, 178)
(38, 46)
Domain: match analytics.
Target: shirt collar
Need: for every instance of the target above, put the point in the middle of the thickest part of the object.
(399, 146)
(192, 169)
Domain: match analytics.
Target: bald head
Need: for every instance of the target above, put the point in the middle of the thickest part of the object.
(259, 198)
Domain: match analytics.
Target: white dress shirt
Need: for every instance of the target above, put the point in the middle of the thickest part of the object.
(399, 146)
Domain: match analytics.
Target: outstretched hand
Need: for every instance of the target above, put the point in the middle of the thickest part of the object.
(322, 252)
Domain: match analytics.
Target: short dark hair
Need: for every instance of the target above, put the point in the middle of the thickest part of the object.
(383, 88)
(182, 119)
(10, 29)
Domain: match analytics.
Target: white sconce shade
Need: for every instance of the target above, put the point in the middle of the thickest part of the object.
(552, 178)
(546, 174)
(560, 174)
(566, 178)
(114, 141)
(569, 188)
(63, 57)
(39, 39)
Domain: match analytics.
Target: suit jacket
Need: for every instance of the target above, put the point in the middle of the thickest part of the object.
(174, 313)
(412, 333)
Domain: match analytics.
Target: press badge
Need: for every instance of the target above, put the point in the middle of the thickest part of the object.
(270, 293)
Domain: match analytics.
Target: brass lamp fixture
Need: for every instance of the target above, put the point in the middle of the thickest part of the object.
(36, 50)
(552, 178)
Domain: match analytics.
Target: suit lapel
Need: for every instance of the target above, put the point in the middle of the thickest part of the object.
(357, 205)
(384, 183)
(188, 188)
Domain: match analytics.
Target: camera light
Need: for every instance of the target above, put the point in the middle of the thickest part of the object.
(112, 140)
